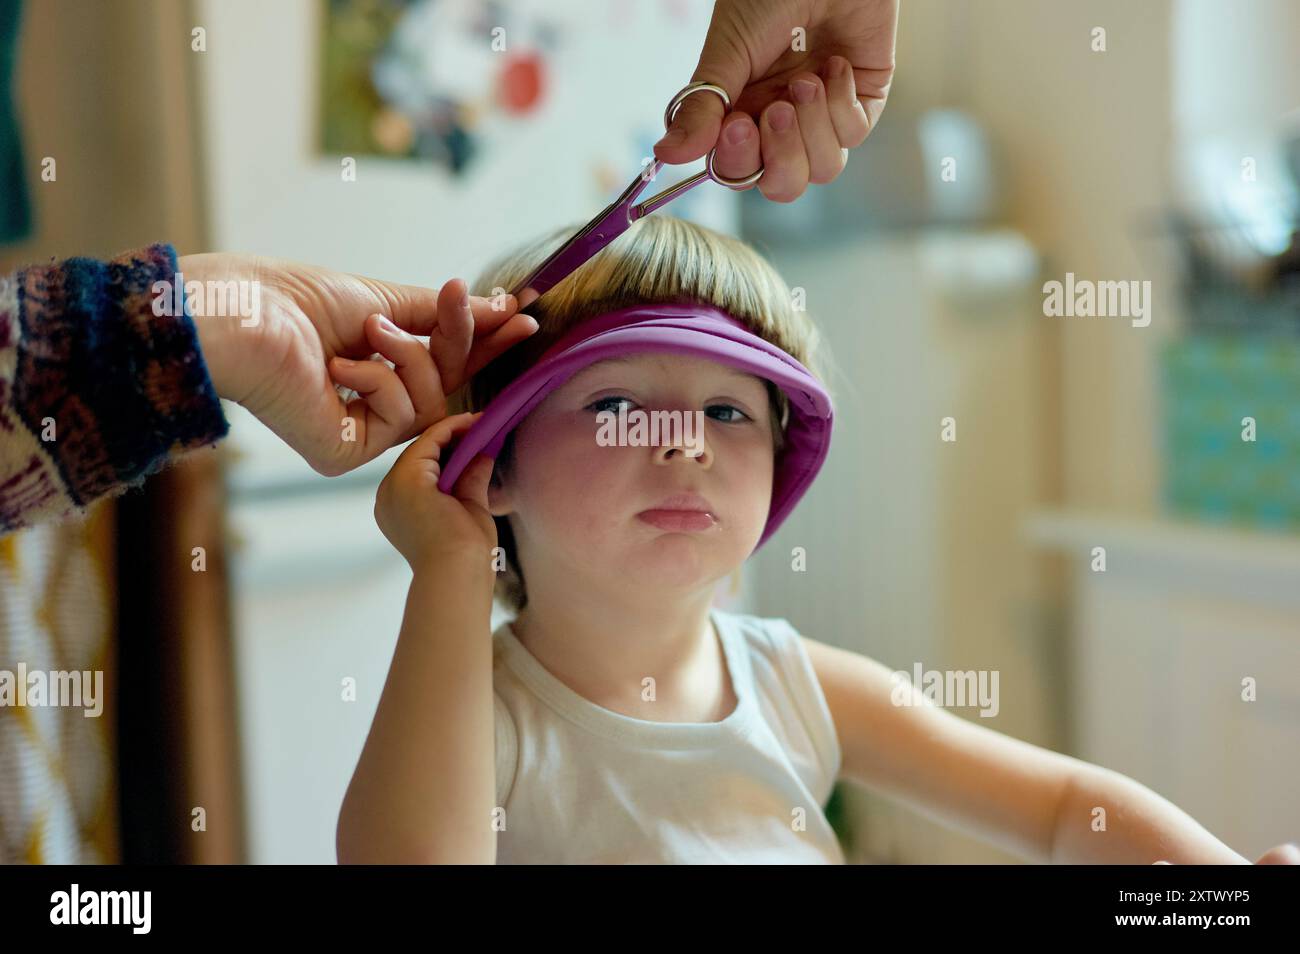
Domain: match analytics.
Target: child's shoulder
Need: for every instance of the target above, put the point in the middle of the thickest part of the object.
(771, 635)
(784, 674)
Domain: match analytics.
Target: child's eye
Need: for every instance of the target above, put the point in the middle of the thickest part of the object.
(604, 405)
(600, 405)
(731, 407)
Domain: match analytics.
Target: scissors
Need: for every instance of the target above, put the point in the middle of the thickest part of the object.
(619, 215)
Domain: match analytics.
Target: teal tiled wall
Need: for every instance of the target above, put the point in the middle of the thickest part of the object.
(1208, 384)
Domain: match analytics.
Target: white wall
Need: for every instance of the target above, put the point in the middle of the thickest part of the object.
(417, 222)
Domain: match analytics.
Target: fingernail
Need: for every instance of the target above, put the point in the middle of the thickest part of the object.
(532, 322)
(388, 326)
(804, 91)
(837, 66)
(781, 116)
(346, 362)
(464, 300)
(737, 133)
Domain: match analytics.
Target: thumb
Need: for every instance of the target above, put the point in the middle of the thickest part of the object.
(695, 127)
(472, 485)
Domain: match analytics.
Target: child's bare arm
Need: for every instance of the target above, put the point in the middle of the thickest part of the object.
(1141, 826)
(424, 787)
(1028, 800)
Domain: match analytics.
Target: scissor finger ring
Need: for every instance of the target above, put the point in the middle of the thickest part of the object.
(671, 111)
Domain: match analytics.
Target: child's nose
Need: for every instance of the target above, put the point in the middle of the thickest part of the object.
(690, 442)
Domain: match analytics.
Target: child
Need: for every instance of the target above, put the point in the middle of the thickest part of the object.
(621, 717)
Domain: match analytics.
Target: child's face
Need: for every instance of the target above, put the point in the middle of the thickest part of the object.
(578, 508)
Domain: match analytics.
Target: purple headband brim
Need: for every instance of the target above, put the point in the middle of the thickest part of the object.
(687, 329)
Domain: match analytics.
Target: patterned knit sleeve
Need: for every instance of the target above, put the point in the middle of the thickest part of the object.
(96, 391)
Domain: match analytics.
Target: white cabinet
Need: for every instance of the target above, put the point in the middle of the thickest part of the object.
(1163, 642)
(317, 598)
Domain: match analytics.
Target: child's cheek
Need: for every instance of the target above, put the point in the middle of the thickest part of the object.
(573, 449)
(572, 469)
(749, 476)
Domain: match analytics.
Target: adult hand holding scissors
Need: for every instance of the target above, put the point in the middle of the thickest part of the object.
(817, 94)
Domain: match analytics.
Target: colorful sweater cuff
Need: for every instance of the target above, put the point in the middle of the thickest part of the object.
(96, 391)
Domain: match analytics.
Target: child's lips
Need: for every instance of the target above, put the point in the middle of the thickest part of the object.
(679, 521)
(686, 512)
(688, 500)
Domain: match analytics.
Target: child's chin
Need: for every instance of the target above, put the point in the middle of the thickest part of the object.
(677, 560)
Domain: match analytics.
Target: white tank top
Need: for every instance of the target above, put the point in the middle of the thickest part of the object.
(582, 784)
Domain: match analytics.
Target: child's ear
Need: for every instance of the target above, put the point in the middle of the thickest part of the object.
(498, 494)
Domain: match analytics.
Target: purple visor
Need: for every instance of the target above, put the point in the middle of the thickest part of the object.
(689, 329)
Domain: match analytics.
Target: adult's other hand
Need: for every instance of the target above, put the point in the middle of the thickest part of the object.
(315, 328)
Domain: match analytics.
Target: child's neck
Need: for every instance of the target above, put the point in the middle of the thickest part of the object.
(605, 650)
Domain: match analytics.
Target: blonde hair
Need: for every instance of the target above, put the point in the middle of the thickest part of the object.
(659, 259)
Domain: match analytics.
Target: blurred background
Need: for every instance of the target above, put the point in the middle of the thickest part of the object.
(1156, 142)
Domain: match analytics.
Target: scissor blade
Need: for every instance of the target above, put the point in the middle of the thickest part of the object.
(609, 224)
(563, 261)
